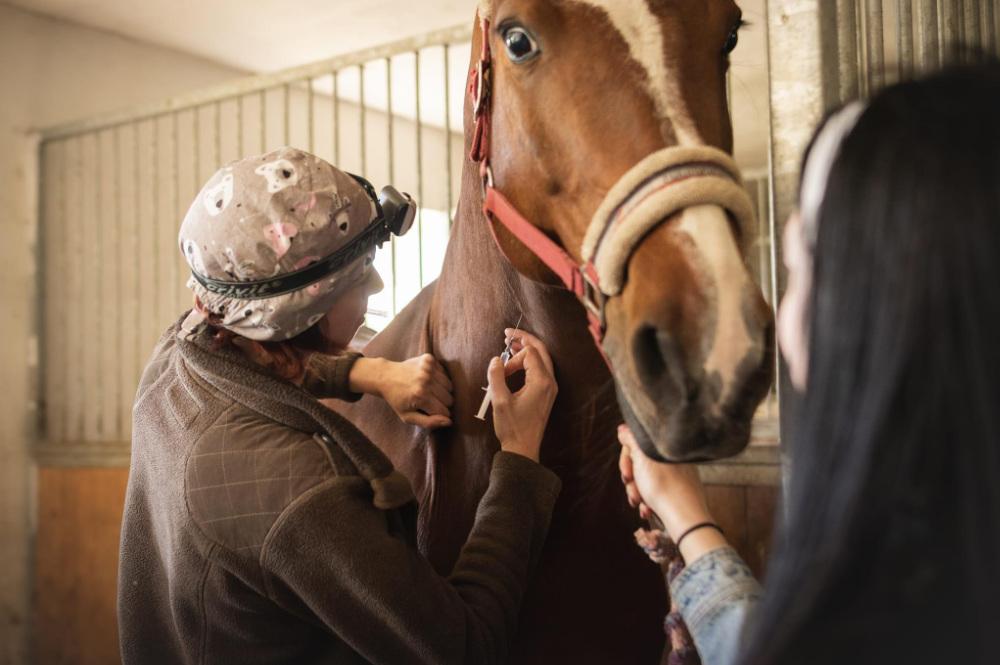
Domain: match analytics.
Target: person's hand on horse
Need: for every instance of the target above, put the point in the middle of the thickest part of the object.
(418, 389)
(520, 418)
(673, 492)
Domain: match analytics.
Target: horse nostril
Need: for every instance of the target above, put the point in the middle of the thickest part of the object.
(659, 360)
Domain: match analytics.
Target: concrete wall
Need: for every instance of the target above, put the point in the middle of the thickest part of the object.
(52, 72)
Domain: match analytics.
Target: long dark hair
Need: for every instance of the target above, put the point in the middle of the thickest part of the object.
(890, 550)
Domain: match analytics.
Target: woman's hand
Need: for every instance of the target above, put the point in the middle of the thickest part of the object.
(418, 389)
(519, 419)
(672, 491)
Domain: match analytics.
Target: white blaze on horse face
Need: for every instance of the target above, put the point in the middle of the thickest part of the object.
(708, 226)
(642, 31)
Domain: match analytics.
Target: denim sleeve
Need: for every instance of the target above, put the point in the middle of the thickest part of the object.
(714, 595)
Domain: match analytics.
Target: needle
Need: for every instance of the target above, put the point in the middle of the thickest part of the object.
(508, 350)
(505, 358)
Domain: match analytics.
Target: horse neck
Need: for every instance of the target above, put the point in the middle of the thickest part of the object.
(479, 293)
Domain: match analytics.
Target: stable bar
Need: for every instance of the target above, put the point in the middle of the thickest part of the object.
(98, 291)
(336, 119)
(928, 39)
(763, 236)
(970, 25)
(310, 115)
(175, 169)
(217, 144)
(79, 276)
(137, 350)
(91, 300)
(848, 58)
(875, 46)
(155, 218)
(262, 118)
(239, 128)
(361, 116)
(995, 4)
(63, 325)
(904, 32)
(390, 121)
(987, 22)
(261, 82)
(803, 84)
(449, 193)
(196, 148)
(123, 424)
(286, 94)
(861, 39)
(420, 172)
(950, 21)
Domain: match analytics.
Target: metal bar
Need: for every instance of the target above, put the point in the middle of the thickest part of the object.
(217, 143)
(155, 217)
(81, 276)
(449, 187)
(361, 115)
(336, 118)
(287, 112)
(64, 256)
(262, 113)
(970, 32)
(847, 49)
(390, 120)
(763, 250)
(928, 38)
(904, 20)
(310, 116)
(801, 89)
(951, 22)
(136, 216)
(99, 287)
(122, 425)
(261, 82)
(861, 38)
(239, 128)
(41, 296)
(729, 94)
(875, 46)
(420, 170)
(996, 24)
(987, 21)
(196, 146)
(175, 168)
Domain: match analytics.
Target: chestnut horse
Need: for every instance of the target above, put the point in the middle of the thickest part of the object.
(581, 92)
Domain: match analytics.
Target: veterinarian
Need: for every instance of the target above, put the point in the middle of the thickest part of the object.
(261, 527)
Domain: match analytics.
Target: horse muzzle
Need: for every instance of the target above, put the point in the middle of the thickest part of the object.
(688, 333)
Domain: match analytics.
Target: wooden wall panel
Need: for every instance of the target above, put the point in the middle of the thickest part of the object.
(761, 516)
(79, 519)
(747, 515)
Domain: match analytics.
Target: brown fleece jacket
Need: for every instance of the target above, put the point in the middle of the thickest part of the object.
(260, 527)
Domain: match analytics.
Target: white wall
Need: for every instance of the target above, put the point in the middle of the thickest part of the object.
(52, 72)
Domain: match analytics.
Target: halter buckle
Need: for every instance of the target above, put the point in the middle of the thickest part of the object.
(593, 298)
(482, 88)
(486, 176)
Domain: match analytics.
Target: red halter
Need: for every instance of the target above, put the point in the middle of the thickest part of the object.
(582, 281)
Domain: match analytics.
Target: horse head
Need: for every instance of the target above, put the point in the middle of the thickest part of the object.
(608, 128)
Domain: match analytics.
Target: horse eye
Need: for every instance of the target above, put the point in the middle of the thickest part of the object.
(520, 46)
(732, 41)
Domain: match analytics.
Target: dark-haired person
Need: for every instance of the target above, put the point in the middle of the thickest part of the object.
(259, 526)
(890, 547)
